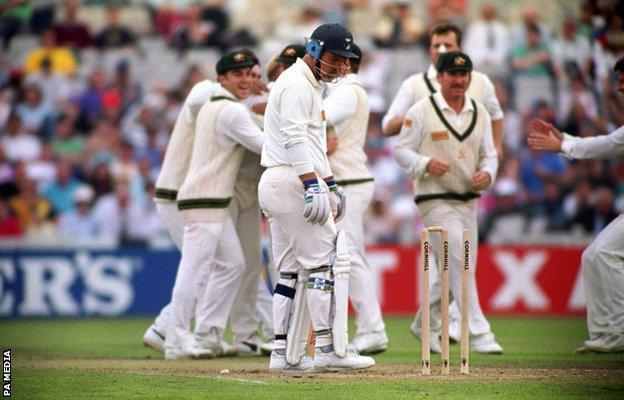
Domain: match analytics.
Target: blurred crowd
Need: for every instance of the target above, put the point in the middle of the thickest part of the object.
(81, 141)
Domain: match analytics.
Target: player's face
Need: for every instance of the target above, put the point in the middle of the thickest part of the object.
(333, 66)
(454, 84)
(620, 86)
(237, 81)
(449, 40)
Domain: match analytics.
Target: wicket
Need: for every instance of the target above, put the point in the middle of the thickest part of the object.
(444, 300)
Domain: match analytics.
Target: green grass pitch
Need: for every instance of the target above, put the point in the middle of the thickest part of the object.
(104, 359)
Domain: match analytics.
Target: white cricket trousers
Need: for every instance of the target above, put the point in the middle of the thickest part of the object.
(456, 216)
(362, 288)
(603, 279)
(244, 317)
(203, 243)
(297, 244)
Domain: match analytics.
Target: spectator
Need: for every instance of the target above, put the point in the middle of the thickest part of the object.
(512, 121)
(123, 167)
(70, 32)
(571, 51)
(530, 20)
(5, 108)
(487, 43)
(302, 26)
(17, 143)
(9, 225)
(43, 169)
(14, 15)
(531, 70)
(111, 214)
(66, 144)
(61, 58)
(80, 223)
(123, 83)
(101, 179)
(379, 226)
(593, 219)
(398, 26)
(577, 105)
(90, 101)
(114, 35)
(508, 222)
(550, 209)
(144, 224)
(103, 142)
(54, 86)
(538, 167)
(31, 209)
(60, 192)
(198, 32)
(36, 117)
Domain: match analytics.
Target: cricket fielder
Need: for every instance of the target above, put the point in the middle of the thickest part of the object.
(446, 144)
(602, 262)
(172, 174)
(346, 107)
(223, 127)
(300, 198)
(443, 37)
(245, 209)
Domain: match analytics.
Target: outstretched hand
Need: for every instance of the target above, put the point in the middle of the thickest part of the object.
(544, 136)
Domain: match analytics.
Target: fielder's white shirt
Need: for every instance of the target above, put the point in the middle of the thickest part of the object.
(294, 123)
(409, 138)
(199, 94)
(603, 146)
(404, 98)
(341, 104)
(234, 124)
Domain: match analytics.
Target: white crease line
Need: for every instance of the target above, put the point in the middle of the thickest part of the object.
(241, 380)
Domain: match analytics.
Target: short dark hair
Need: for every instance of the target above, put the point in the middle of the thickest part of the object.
(443, 28)
(619, 65)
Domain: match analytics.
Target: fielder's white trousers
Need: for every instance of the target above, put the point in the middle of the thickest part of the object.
(244, 318)
(456, 216)
(296, 244)
(603, 279)
(362, 290)
(203, 243)
(244, 315)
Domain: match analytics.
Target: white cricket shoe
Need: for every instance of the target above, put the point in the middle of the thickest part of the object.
(434, 338)
(330, 362)
(213, 341)
(154, 339)
(267, 348)
(370, 342)
(486, 345)
(254, 346)
(191, 352)
(608, 343)
(278, 364)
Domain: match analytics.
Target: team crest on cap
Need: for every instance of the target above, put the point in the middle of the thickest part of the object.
(290, 52)
(459, 60)
(239, 57)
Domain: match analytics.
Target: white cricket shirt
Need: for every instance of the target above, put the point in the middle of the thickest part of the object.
(294, 123)
(603, 146)
(412, 133)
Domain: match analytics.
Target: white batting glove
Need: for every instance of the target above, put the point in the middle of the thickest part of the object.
(317, 206)
(337, 200)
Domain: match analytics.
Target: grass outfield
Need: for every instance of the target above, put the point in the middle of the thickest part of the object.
(104, 359)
